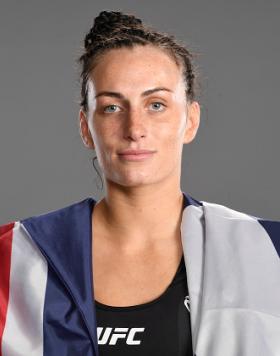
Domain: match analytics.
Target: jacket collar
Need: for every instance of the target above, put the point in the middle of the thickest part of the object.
(64, 237)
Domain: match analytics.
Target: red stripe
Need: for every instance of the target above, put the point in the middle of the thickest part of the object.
(6, 236)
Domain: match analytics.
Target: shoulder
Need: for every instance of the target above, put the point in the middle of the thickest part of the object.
(59, 213)
(213, 209)
(230, 213)
(229, 219)
(44, 223)
(219, 211)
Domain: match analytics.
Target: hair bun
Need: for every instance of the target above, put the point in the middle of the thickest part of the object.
(109, 21)
(113, 17)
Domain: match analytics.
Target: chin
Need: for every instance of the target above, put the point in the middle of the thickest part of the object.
(132, 181)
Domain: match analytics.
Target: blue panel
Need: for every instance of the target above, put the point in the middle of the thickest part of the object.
(64, 329)
(64, 238)
(273, 230)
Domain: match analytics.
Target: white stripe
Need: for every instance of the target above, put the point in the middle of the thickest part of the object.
(241, 295)
(23, 333)
(233, 274)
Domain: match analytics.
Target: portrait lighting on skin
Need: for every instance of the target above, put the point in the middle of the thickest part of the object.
(137, 101)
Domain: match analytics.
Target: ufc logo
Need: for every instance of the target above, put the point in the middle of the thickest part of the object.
(118, 333)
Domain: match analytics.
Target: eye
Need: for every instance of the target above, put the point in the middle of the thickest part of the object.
(157, 105)
(110, 106)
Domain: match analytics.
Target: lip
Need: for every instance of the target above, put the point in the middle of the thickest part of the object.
(135, 152)
(135, 155)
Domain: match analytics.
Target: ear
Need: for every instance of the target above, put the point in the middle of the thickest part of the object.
(84, 130)
(193, 120)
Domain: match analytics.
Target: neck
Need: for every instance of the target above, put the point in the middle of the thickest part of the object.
(140, 216)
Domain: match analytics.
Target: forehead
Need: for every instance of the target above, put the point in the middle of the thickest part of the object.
(140, 67)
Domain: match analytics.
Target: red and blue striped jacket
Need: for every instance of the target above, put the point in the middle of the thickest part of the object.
(233, 272)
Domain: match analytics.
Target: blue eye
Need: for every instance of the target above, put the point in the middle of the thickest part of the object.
(110, 106)
(158, 105)
(157, 102)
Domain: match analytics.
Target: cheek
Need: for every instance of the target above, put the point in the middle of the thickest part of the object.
(173, 135)
(104, 134)
(180, 130)
(174, 143)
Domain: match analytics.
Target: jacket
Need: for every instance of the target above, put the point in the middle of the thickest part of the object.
(233, 273)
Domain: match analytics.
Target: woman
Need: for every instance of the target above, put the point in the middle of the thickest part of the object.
(146, 270)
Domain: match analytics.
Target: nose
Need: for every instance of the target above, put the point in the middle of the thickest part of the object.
(135, 127)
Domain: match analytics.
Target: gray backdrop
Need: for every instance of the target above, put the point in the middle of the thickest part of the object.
(234, 159)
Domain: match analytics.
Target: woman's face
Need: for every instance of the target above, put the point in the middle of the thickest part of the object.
(126, 110)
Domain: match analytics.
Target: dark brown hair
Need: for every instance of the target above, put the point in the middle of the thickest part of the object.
(114, 29)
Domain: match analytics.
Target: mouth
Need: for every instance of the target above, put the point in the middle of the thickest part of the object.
(136, 155)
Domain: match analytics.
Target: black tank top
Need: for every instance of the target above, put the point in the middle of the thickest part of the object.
(159, 327)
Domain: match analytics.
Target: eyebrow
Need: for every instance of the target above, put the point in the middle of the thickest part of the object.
(121, 96)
